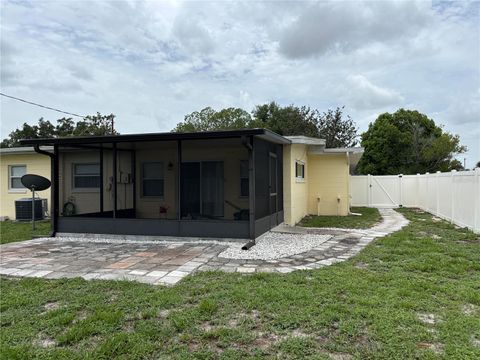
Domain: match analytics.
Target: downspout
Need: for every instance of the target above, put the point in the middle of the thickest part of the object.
(53, 165)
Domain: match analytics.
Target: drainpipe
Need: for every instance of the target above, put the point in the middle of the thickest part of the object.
(54, 186)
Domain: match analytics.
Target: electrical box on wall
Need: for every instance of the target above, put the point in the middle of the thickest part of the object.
(123, 178)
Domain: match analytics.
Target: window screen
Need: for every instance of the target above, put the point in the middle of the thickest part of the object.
(244, 185)
(16, 173)
(86, 176)
(299, 170)
(152, 179)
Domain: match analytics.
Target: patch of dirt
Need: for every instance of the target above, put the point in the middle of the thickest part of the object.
(206, 326)
(54, 305)
(469, 309)
(265, 341)
(429, 319)
(437, 348)
(239, 318)
(193, 346)
(339, 356)
(436, 237)
(436, 219)
(44, 342)
(82, 315)
(164, 313)
(475, 341)
(361, 265)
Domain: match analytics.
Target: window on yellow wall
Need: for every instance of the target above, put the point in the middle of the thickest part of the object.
(15, 175)
(152, 179)
(299, 170)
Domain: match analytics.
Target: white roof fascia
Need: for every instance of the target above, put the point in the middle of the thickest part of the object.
(305, 140)
(22, 150)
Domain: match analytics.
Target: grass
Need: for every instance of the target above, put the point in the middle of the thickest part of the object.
(412, 295)
(369, 217)
(11, 231)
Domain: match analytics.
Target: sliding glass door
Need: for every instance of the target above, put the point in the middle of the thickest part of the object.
(202, 190)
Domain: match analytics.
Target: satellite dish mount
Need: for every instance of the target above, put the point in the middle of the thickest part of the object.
(35, 183)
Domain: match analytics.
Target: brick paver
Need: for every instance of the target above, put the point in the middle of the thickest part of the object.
(167, 263)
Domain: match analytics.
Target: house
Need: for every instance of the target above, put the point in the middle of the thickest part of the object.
(225, 184)
(14, 163)
(316, 179)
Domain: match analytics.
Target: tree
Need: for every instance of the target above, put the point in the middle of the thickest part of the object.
(478, 164)
(288, 120)
(408, 142)
(210, 120)
(91, 125)
(337, 131)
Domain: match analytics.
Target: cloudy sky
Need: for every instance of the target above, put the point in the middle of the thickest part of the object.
(150, 63)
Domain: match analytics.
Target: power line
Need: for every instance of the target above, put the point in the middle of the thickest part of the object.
(42, 106)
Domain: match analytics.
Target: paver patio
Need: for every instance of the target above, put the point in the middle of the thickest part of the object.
(168, 262)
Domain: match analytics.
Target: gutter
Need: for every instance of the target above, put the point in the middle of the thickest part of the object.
(37, 149)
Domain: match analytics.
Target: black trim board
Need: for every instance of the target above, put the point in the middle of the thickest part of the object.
(155, 227)
(75, 140)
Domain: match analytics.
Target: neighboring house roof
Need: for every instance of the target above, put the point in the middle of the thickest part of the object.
(305, 140)
(22, 150)
(261, 133)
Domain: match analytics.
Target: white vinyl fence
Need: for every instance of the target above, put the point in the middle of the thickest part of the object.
(454, 196)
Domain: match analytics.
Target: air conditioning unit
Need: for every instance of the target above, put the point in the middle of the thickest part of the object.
(23, 209)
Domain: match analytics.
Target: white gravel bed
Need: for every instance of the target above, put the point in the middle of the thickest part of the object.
(275, 246)
(176, 242)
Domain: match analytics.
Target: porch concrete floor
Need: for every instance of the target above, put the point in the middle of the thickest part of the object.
(167, 263)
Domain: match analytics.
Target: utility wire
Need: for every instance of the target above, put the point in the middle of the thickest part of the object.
(42, 106)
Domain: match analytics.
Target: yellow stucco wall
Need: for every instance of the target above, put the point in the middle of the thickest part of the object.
(295, 191)
(326, 180)
(36, 164)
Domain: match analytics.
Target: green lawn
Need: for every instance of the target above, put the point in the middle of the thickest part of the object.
(11, 231)
(412, 295)
(369, 217)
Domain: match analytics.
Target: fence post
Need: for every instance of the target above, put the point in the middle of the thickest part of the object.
(400, 178)
(438, 193)
(417, 192)
(427, 178)
(369, 190)
(476, 204)
(452, 194)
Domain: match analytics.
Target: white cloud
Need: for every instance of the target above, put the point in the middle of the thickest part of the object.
(150, 63)
(363, 94)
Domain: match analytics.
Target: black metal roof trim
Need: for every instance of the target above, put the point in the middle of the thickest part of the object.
(264, 133)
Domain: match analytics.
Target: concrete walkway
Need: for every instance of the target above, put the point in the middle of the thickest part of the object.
(167, 263)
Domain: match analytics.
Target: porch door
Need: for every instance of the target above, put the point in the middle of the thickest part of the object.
(273, 186)
(190, 183)
(202, 189)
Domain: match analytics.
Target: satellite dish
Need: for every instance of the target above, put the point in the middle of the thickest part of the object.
(35, 182)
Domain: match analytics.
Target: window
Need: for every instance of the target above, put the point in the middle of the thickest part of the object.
(299, 170)
(16, 173)
(152, 179)
(86, 176)
(273, 174)
(244, 184)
